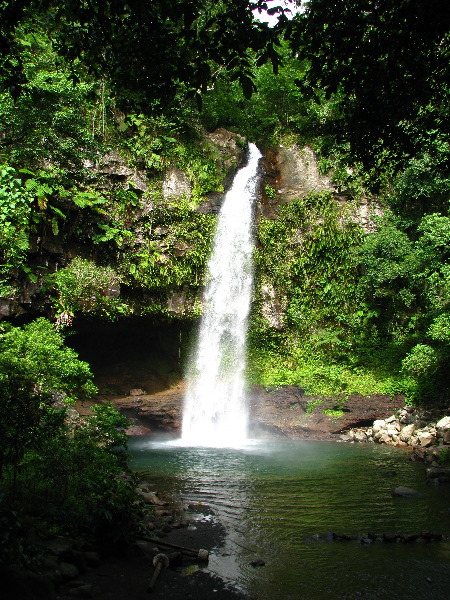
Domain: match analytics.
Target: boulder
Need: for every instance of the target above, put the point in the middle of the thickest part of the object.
(441, 473)
(443, 424)
(378, 425)
(360, 436)
(406, 416)
(425, 438)
(68, 571)
(406, 492)
(406, 432)
(385, 438)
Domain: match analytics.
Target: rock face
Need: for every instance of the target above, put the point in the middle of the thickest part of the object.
(288, 412)
(282, 413)
(291, 173)
(54, 250)
(176, 185)
(231, 153)
(272, 309)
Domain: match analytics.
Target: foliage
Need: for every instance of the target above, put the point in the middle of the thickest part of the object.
(177, 252)
(75, 488)
(178, 43)
(15, 212)
(326, 375)
(63, 114)
(314, 237)
(84, 461)
(276, 106)
(406, 281)
(34, 365)
(368, 53)
(85, 287)
(48, 461)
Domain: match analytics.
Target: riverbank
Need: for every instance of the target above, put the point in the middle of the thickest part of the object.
(187, 577)
(281, 413)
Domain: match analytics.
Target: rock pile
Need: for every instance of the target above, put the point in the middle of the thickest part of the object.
(408, 427)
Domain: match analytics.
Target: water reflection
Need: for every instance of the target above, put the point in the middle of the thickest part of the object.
(272, 497)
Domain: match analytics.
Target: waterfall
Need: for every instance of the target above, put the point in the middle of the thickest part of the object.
(215, 411)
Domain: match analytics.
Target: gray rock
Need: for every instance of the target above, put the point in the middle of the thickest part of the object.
(68, 571)
(82, 591)
(176, 185)
(378, 425)
(406, 432)
(92, 559)
(425, 438)
(58, 545)
(406, 492)
(438, 472)
(360, 436)
(443, 424)
(271, 308)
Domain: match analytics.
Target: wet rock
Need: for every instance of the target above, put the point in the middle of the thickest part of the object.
(390, 473)
(409, 538)
(58, 545)
(78, 558)
(440, 474)
(137, 392)
(428, 536)
(92, 559)
(406, 492)
(433, 482)
(258, 562)
(67, 571)
(85, 590)
(152, 498)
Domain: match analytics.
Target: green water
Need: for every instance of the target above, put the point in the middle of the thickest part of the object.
(273, 496)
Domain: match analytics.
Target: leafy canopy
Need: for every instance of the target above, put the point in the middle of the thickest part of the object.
(147, 50)
(388, 62)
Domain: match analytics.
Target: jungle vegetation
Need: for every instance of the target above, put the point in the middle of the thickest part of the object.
(364, 83)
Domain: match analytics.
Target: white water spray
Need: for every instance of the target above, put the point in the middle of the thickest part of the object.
(215, 411)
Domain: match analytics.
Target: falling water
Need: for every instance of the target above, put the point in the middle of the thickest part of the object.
(215, 412)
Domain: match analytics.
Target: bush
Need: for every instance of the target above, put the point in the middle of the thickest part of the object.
(84, 287)
(34, 364)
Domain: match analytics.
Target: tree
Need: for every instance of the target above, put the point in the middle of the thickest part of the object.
(147, 50)
(389, 64)
(34, 364)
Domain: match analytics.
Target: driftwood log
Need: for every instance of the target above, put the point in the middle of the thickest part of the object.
(201, 554)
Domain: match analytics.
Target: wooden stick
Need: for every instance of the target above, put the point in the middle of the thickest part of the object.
(203, 554)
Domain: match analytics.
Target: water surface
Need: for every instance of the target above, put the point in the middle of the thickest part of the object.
(276, 498)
